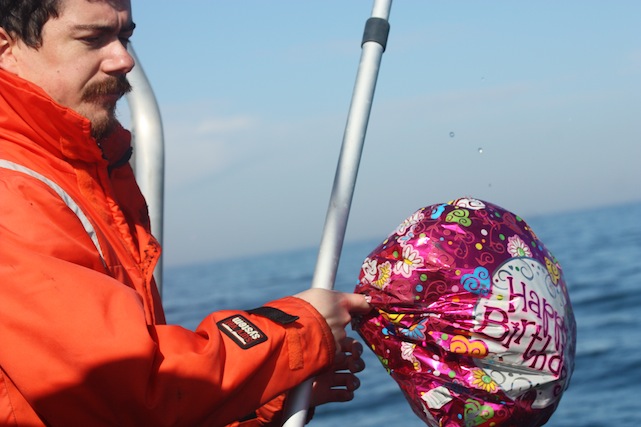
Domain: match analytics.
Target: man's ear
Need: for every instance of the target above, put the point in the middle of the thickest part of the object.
(7, 45)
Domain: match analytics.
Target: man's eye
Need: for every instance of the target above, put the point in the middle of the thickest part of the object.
(92, 40)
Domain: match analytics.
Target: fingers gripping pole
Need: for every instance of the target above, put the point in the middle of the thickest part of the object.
(373, 46)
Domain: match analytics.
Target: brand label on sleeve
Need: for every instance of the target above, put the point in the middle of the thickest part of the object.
(242, 331)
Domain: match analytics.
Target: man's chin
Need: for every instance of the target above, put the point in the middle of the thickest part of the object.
(101, 129)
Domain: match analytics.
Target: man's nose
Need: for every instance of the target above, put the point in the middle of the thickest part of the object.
(118, 61)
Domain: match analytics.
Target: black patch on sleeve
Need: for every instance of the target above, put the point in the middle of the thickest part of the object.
(274, 314)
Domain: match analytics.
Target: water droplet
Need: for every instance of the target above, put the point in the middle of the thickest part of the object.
(480, 150)
(451, 134)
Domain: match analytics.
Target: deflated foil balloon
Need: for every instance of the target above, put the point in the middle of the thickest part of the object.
(472, 316)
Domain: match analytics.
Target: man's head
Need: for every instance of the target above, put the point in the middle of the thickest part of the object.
(76, 50)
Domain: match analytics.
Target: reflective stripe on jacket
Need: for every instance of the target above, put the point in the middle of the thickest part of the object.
(83, 335)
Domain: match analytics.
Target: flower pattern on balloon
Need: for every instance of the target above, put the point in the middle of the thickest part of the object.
(409, 222)
(411, 260)
(483, 381)
(468, 203)
(377, 274)
(384, 274)
(517, 247)
(369, 269)
(415, 331)
(407, 353)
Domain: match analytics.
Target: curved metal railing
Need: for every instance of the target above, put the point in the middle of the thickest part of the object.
(149, 149)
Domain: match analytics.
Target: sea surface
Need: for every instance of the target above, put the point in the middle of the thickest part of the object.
(599, 249)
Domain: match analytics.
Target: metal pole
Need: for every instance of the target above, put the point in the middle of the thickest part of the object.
(149, 149)
(373, 46)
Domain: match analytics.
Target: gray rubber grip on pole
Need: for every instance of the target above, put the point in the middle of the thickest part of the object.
(376, 30)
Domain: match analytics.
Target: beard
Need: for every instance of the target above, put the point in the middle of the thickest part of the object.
(103, 124)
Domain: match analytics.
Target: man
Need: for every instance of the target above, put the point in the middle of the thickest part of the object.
(84, 340)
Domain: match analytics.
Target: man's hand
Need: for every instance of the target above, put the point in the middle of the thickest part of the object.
(337, 309)
(338, 383)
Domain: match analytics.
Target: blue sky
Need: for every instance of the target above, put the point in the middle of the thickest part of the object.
(531, 105)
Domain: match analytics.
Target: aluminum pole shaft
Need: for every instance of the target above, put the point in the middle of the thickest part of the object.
(343, 190)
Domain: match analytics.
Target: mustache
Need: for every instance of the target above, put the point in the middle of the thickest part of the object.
(111, 86)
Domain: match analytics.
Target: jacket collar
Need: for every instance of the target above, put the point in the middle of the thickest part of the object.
(27, 110)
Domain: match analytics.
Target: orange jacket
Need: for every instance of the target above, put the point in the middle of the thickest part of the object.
(83, 336)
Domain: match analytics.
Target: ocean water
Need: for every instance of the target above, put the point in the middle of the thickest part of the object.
(599, 249)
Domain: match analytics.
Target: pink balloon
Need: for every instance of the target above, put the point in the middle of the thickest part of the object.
(472, 316)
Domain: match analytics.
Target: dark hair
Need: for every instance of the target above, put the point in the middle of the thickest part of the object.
(24, 19)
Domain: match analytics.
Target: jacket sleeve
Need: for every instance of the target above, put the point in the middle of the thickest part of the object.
(272, 414)
(268, 415)
(77, 348)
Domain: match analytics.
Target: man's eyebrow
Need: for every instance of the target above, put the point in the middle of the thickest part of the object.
(105, 28)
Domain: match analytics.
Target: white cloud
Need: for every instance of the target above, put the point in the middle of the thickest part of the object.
(200, 143)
